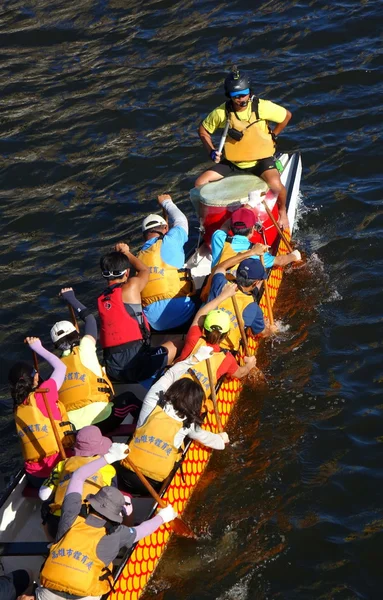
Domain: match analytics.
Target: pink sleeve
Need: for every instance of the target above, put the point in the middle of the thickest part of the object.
(52, 397)
(147, 527)
(76, 482)
(59, 369)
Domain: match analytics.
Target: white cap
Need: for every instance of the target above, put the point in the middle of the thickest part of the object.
(61, 329)
(152, 221)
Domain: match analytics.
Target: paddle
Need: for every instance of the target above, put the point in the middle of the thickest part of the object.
(43, 392)
(267, 295)
(223, 138)
(275, 223)
(73, 317)
(214, 395)
(177, 525)
(255, 370)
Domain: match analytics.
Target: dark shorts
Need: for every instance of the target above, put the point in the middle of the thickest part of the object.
(227, 168)
(136, 363)
(14, 584)
(129, 482)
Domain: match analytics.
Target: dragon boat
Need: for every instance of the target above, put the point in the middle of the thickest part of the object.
(22, 539)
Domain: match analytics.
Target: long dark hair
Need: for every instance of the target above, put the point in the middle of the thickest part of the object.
(21, 382)
(214, 336)
(68, 342)
(186, 397)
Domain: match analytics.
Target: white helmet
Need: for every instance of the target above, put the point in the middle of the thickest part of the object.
(152, 221)
(61, 329)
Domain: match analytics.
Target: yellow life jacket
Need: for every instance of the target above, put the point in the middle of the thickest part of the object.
(35, 430)
(199, 371)
(81, 386)
(91, 485)
(255, 143)
(233, 339)
(227, 252)
(73, 566)
(152, 448)
(165, 281)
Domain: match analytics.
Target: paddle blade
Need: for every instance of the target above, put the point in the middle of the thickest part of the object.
(255, 378)
(180, 528)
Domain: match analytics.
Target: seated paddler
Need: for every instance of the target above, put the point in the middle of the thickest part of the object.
(33, 425)
(90, 535)
(250, 143)
(168, 299)
(235, 236)
(212, 326)
(171, 410)
(90, 444)
(249, 277)
(87, 392)
(125, 332)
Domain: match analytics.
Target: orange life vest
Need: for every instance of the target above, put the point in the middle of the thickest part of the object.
(165, 281)
(73, 565)
(152, 448)
(81, 386)
(91, 485)
(255, 143)
(35, 430)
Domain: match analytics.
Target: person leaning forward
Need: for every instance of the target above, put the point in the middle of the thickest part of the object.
(90, 535)
(248, 279)
(250, 144)
(167, 298)
(125, 333)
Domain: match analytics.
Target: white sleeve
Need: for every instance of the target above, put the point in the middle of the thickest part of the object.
(45, 493)
(176, 215)
(162, 385)
(207, 438)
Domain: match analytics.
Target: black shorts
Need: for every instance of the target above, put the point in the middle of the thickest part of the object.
(227, 168)
(136, 363)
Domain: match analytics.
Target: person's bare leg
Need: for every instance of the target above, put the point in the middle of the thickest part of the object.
(174, 347)
(207, 177)
(273, 180)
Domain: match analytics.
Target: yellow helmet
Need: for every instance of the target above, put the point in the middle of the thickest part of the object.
(217, 319)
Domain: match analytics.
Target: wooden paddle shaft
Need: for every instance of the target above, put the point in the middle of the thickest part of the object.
(214, 395)
(146, 483)
(267, 295)
(44, 391)
(275, 223)
(240, 325)
(73, 317)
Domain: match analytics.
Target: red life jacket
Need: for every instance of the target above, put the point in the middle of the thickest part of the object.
(118, 327)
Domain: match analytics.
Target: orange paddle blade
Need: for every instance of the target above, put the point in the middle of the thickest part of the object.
(180, 528)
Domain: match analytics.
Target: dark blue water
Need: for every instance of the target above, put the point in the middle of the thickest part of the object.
(100, 102)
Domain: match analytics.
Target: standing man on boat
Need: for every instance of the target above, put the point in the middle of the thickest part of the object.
(125, 333)
(168, 297)
(250, 143)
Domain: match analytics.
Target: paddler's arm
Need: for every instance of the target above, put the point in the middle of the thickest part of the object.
(227, 292)
(131, 290)
(83, 313)
(205, 138)
(257, 249)
(59, 369)
(177, 217)
(280, 126)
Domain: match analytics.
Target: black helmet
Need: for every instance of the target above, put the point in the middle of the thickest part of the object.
(235, 82)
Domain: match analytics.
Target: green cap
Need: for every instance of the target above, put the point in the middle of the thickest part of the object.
(217, 318)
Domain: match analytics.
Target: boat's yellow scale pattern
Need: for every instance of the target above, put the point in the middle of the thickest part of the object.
(136, 573)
